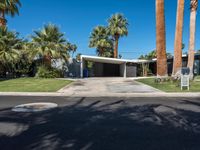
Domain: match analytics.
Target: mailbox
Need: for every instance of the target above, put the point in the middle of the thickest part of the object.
(185, 78)
(185, 71)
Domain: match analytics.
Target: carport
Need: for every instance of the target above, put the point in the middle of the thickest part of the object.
(110, 67)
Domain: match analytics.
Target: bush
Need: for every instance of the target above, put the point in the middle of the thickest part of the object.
(44, 72)
(161, 80)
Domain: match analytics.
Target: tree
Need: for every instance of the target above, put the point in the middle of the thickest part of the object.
(100, 40)
(49, 43)
(71, 48)
(193, 9)
(178, 46)
(151, 55)
(118, 27)
(8, 7)
(183, 46)
(169, 56)
(78, 57)
(25, 65)
(10, 46)
(161, 40)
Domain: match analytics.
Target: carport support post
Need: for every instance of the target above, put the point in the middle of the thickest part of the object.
(81, 67)
(125, 70)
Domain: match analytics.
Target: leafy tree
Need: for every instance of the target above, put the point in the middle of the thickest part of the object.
(8, 7)
(100, 40)
(183, 46)
(152, 55)
(149, 56)
(10, 46)
(71, 48)
(25, 65)
(49, 43)
(78, 57)
(117, 27)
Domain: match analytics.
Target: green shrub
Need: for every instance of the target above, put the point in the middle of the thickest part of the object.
(161, 80)
(44, 72)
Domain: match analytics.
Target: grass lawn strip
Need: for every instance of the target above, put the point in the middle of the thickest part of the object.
(170, 86)
(32, 85)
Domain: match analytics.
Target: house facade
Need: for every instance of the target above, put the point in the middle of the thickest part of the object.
(93, 66)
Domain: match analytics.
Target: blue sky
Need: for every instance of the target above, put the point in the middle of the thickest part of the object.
(77, 18)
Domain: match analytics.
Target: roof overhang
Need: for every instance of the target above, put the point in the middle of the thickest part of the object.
(112, 60)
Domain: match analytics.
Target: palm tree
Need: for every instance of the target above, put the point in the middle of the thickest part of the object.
(78, 57)
(178, 38)
(118, 27)
(193, 9)
(100, 40)
(49, 43)
(10, 46)
(71, 48)
(8, 7)
(161, 40)
(151, 55)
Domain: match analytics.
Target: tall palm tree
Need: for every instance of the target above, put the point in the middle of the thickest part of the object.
(8, 7)
(178, 38)
(10, 46)
(161, 40)
(193, 9)
(49, 43)
(118, 27)
(100, 40)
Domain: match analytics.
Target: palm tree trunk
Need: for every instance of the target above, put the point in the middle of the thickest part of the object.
(178, 38)
(3, 21)
(116, 46)
(47, 61)
(161, 40)
(192, 37)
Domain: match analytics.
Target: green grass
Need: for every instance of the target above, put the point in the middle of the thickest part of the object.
(32, 85)
(170, 86)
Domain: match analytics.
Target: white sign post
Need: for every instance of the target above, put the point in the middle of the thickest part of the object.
(185, 81)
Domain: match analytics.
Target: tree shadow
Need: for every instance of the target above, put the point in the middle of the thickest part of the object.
(89, 127)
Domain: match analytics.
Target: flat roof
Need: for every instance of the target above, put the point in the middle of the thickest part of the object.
(112, 60)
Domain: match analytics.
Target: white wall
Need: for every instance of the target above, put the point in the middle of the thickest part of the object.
(123, 70)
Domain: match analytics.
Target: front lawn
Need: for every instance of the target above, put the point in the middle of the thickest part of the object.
(32, 85)
(170, 86)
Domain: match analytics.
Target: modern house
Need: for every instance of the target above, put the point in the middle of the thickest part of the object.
(184, 63)
(94, 66)
(110, 67)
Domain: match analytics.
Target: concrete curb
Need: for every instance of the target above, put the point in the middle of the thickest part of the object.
(34, 94)
(178, 95)
(197, 95)
(67, 86)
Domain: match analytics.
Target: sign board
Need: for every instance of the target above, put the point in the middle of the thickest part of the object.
(185, 81)
(185, 71)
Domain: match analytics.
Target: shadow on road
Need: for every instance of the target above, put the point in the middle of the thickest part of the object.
(103, 127)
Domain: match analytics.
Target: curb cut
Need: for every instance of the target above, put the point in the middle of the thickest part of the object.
(65, 87)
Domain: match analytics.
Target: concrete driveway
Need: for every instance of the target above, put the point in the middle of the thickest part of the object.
(107, 86)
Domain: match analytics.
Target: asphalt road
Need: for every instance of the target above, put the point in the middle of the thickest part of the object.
(102, 124)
